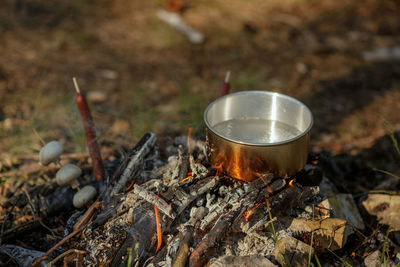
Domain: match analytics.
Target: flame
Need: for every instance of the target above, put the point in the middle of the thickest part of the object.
(235, 166)
(291, 182)
(315, 162)
(158, 224)
(185, 179)
(218, 168)
(188, 177)
(269, 189)
(249, 212)
(190, 130)
(248, 215)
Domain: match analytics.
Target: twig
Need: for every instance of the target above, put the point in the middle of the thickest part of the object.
(65, 254)
(38, 136)
(87, 215)
(62, 242)
(76, 155)
(35, 213)
(25, 173)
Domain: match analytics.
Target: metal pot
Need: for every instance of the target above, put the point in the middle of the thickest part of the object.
(252, 133)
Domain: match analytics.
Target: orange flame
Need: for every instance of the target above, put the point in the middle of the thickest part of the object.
(188, 177)
(158, 224)
(265, 183)
(249, 212)
(248, 215)
(185, 179)
(238, 166)
(235, 168)
(218, 168)
(188, 139)
(291, 182)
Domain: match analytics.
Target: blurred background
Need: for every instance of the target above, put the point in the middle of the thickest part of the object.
(140, 74)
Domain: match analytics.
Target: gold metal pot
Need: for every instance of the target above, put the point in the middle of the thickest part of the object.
(251, 133)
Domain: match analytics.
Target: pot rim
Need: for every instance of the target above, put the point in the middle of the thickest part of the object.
(215, 102)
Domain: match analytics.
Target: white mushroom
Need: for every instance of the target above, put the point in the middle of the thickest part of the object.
(50, 152)
(83, 196)
(68, 174)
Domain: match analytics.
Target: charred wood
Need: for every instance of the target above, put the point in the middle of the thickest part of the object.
(142, 149)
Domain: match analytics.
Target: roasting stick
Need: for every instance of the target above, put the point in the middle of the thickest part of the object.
(91, 139)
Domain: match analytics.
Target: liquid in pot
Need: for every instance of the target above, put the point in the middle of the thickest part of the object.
(256, 130)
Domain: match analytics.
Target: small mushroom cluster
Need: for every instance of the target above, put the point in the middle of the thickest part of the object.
(67, 174)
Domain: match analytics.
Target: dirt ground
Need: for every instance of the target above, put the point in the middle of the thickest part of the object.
(151, 78)
(139, 74)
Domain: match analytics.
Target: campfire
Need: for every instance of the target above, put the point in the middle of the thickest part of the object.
(177, 210)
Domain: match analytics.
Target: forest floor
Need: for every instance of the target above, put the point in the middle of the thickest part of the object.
(140, 74)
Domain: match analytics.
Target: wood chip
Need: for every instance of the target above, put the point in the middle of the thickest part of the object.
(385, 207)
(330, 233)
(292, 250)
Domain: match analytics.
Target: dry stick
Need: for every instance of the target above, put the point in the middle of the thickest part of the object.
(25, 173)
(38, 136)
(65, 254)
(91, 139)
(62, 242)
(134, 163)
(87, 215)
(154, 199)
(35, 213)
(76, 155)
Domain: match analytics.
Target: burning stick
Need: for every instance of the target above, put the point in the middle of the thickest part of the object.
(90, 133)
(154, 199)
(225, 85)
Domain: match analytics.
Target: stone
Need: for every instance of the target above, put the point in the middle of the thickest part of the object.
(329, 233)
(385, 207)
(344, 207)
(374, 260)
(292, 250)
(242, 261)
